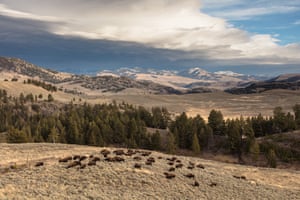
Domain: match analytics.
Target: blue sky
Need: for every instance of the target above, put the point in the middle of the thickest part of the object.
(85, 36)
(281, 19)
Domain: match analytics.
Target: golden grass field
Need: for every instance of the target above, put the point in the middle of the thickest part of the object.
(193, 104)
(20, 179)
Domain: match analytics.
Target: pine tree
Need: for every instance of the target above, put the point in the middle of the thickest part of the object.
(171, 146)
(195, 144)
(156, 141)
(216, 121)
(53, 136)
(254, 150)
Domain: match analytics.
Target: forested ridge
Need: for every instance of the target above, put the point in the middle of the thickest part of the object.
(29, 119)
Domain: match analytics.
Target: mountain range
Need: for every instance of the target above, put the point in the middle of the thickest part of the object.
(193, 80)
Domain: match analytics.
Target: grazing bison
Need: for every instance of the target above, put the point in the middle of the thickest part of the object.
(76, 157)
(171, 169)
(191, 167)
(73, 164)
(38, 164)
(95, 159)
(130, 152)
(179, 165)
(189, 175)
(148, 163)
(146, 153)
(137, 166)
(105, 152)
(196, 184)
(151, 159)
(159, 157)
(200, 166)
(66, 159)
(82, 158)
(82, 166)
(170, 163)
(137, 158)
(239, 177)
(169, 175)
(172, 159)
(114, 159)
(119, 152)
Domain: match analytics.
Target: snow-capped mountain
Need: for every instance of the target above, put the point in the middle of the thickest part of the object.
(185, 79)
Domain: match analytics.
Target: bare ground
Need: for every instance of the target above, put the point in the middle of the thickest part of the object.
(121, 180)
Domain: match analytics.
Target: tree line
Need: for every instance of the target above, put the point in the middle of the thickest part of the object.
(126, 125)
(46, 86)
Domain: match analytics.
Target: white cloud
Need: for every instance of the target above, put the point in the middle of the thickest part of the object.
(176, 25)
(24, 15)
(244, 9)
(248, 13)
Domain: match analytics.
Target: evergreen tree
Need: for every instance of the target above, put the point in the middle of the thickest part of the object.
(195, 145)
(216, 122)
(16, 136)
(234, 137)
(254, 150)
(53, 136)
(171, 145)
(279, 120)
(156, 141)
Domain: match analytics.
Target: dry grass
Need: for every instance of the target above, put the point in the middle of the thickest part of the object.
(193, 104)
(122, 181)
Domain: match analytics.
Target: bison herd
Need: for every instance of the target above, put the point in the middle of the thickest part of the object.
(118, 156)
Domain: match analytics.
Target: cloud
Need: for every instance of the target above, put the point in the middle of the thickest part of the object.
(248, 13)
(297, 22)
(171, 25)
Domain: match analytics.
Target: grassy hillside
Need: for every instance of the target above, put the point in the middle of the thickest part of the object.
(20, 179)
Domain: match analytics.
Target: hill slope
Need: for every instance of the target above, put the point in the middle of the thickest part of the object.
(121, 180)
(285, 81)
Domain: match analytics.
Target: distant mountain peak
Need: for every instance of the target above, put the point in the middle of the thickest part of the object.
(228, 73)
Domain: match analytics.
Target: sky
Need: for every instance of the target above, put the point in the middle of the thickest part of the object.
(85, 36)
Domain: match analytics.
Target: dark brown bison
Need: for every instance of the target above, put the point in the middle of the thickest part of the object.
(146, 153)
(171, 169)
(38, 164)
(76, 157)
(119, 152)
(105, 152)
(190, 175)
(137, 166)
(179, 165)
(200, 166)
(196, 184)
(137, 158)
(95, 159)
(82, 158)
(73, 164)
(169, 175)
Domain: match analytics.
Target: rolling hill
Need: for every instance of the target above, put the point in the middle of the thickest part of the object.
(33, 171)
(285, 82)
